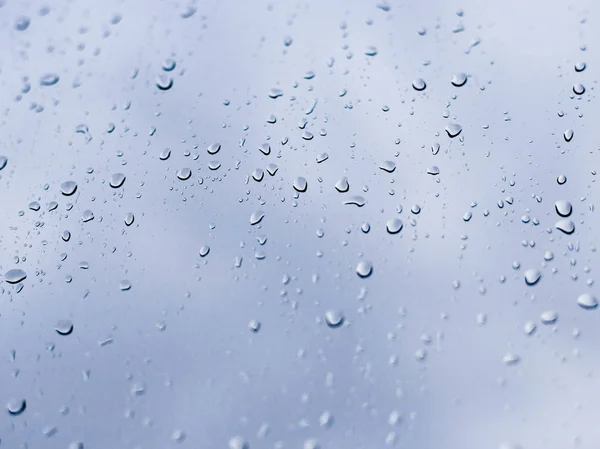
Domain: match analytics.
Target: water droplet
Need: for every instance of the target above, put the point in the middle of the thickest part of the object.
(76, 445)
(254, 326)
(435, 148)
(419, 84)
(566, 226)
(64, 327)
(580, 66)
(371, 51)
(34, 205)
(184, 173)
(188, 12)
(124, 285)
(388, 166)
(579, 89)
(129, 218)
(214, 165)
(258, 175)
(3, 162)
(307, 135)
(364, 268)
(568, 135)
(300, 184)
(272, 169)
(66, 236)
(164, 82)
(563, 208)
(561, 179)
(529, 327)
(365, 227)
(467, 216)
(49, 79)
(15, 275)
(322, 157)
(394, 226)
(356, 200)
(265, 148)
(548, 256)
(511, 358)
(453, 129)
(238, 443)
(52, 205)
(169, 65)
(587, 301)
(179, 436)
(532, 276)
(22, 23)
(342, 185)
(87, 215)
(213, 148)
(415, 209)
(549, 317)
(257, 217)
(275, 93)
(459, 79)
(68, 188)
(16, 406)
(433, 170)
(204, 251)
(334, 318)
(164, 154)
(117, 180)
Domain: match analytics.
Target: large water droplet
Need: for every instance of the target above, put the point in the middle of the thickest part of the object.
(356, 200)
(433, 170)
(394, 226)
(129, 218)
(364, 268)
(300, 184)
(64, 327)
(566, 226)
(563, 208)
(388, 166)
(453, 129)
(579, 89)
(15, 275)
(68, 188)
(275, 93)
(213, 148)
(549, 317)
(342, 185)
(258, 175)
(117, 180)
(164, 154)
(204, 251)
(3, 162)
(459, 79)
(184, 173)
(265, 148)
(87, 215)
(272, 169)
(257, 217)
(532, 276)
(334, 318)
(587, 301)
(568, 135)
(22, 23)
(34, 205)
(164, 82)
(16, 406)
(419, 84)
(580, 66)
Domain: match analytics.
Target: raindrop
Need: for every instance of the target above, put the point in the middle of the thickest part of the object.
(238, 443)
(342, 185)
(587, 301)
(580, 66)
(22, 23)
(3, 162)
(322, 157)
(258, 175)
(549, 317)
(66, 236)
(178, 436)
(265, 148)
(213, 148)
(334, 318)
(164, 82)
(76, 445)
(415, 209)
(433, 170)
(566, 226)
(68, 188)
(371, 51)
(124, 285)
(87, 215)
(214, 165)
(129, 218)
(364, 268)
(275, 93)
(453, 129)
(300, 184)
(50, 79)
(169, 64)
(272, 169)
(561, 179)
(34, 205)
(117, 180)
(529, 327)
(307, 135)
(532, 276)
(164, 154)
(459, 79)
(467, 216)
(184, 173)
(579, 89)
(188, 12)
(419, 84)
(15, 275)
(64, 327)
(388, 166)
(257, 217)
(254, 326)
(204, 251)
(568, 135)
(394, 226)
(356, 200)
(511, 359)
(435, 148)
(16, 406)
(563, 208)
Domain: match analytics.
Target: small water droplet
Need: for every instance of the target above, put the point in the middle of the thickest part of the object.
(549, 317)
(3, 162)
(529, 327)
(169, 65)
(184, 173)
(214, 148)
(64, 327)
(307, 135)
(415, 209)
(568, 135)
(459, 79)
(419, 84)
(66, 236)
(68, 188)
(580, 66)
(265, 148)
(16, 406)
(322, 157)
(117, 180)
(204, 251)
(22, 23)
(272, 169)
(87, 215)
(49, 79)
(238, 443)
(511, 358)
(371, 51)
(356, 200)
(578, 89)
(561, 179)
(364, 268)
(129, 218)
(254, 326)
(342, 185)
(435, 148)
(256, 217)
(334, 318)
(300, 184)
(453, 129)
(34, 205)
(214, 165)
(275, 93)
(124, 285)
(532, 276)
(164, 82)
(587, 301)
(394, 226)
(433, 170)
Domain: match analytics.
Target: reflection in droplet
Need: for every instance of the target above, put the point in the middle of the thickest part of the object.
(334, 318)
(566, 226)
(15, 275)
(342, 185)
(394, 226)
(459, 79)
(68, 188)
(356, 200)
(257, 217)
(300, 184)
(532, 276)
(258, 175)
(529, 328)
(364, 268)
(388, 166)
(453, 129)
(563, 208)
(184, 173)
(64, 327)
(419, 84)
(435, 148)
(587, 301)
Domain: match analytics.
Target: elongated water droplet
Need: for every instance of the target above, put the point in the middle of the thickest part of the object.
(300, 184)
(587, 301)
(3, 162)
(563, 208)
(214, 165)
(68, 188)
(433, 170)
(356, 200)
(334, 318)
(129, 218)
(364, 268)
(322, 157)
(124, 285)
(34, 205)
(342, 185)
(257, 217)
(66, 236)
(117, 180)
(275, 93)
(529, 328)
(394, 226)
(568, 135)
(459, 79)
(549, 317)
(50, 79)
(307, 135)
(64, 327)
(15, 275)
(204, 251)
(184, 173)
(164, 154)
(511, 358)
(467, 216)
(87, 215)
(22, 23)
(566, 226)
(419, 84)
(388, 166)
(532, 276)
(435, 148)
(453, 129)
(214, 148)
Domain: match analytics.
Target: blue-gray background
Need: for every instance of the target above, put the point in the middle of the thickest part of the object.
(206, 373)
